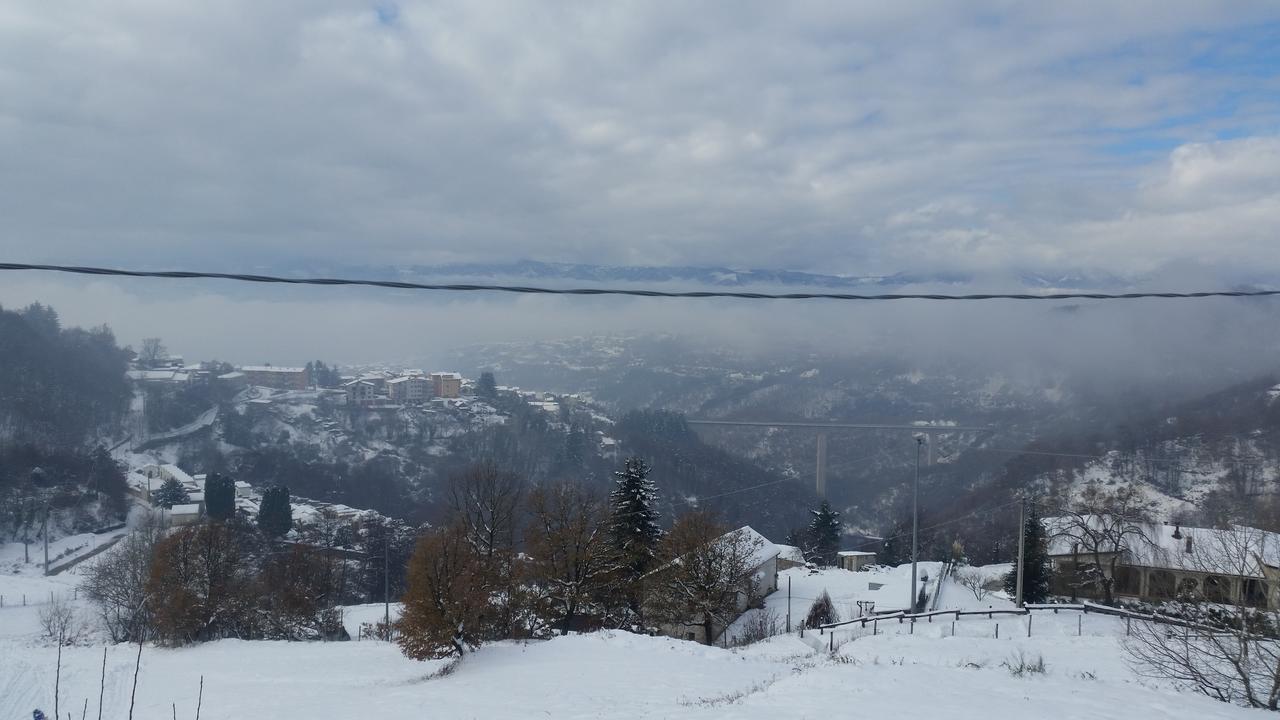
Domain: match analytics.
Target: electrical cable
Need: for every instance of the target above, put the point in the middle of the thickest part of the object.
(533, 290)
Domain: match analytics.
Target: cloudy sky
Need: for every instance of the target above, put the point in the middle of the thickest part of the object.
(844, 137)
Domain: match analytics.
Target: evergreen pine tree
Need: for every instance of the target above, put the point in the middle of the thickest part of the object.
(170, 493)
(486, 386)
(896, 548)
(821, 612)
(219, 497)
(275, 516)
(824, 533)
(633, 521)
(1037, 570)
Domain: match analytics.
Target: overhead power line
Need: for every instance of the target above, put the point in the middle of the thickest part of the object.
(530, 290)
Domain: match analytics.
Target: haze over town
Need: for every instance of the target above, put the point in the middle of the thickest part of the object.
(225, 498)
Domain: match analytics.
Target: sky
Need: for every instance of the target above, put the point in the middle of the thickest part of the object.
(844, 137)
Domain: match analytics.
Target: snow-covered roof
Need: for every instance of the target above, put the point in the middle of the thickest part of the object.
(157, 375)
(855, 553)
(271, 368)
(242, 484)
(178, 474)
(763, 551)
(1234, 551)
(233, 375)
(790, 552)
(447, 375)
(186, 509)
(398, 380)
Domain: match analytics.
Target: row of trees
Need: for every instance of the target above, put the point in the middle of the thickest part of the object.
(587, 562)
(221, 578)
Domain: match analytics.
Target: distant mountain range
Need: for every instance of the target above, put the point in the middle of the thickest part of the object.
(556, 273)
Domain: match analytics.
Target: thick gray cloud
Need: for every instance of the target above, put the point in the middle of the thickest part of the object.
(837, 137)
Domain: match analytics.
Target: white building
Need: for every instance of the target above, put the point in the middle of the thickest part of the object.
(409, 388)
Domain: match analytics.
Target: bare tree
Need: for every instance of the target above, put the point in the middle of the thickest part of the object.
(116, 581)
(152, 352)
(707, 579)
(1225, 654)
(61, 623)
(1104, 526)
(572, 559)
(484, 499)
(972, 580)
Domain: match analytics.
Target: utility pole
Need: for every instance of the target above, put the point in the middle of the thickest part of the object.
(45, 532)
(386, 581)
(820, 476)
(915, 522)
(788, 603)
(1022, 546)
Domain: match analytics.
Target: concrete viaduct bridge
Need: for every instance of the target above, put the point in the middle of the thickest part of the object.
(824, 429)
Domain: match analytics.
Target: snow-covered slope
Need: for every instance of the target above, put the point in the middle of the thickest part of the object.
(612, 675)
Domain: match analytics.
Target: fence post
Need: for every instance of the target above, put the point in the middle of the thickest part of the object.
(913, 627)
(24, 599)
(831, 647)
(997, 631)
(1028, 624)
(875, 626)
(953, 628)
(1126, 627)
(1079, 625)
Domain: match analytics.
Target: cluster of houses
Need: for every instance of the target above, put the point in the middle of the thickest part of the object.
(410, 386)
(145, 481)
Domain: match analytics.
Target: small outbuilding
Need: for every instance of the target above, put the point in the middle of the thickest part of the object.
(855, 560)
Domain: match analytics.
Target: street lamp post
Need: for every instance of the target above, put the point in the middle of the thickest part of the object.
(915, 522)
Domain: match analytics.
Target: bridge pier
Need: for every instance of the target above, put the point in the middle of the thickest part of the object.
(820, 477)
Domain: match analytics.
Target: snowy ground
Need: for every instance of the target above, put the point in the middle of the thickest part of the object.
(14, 561)
(900, 672)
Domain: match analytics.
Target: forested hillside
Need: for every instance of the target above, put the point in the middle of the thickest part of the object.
(58, 385)
(62, 393)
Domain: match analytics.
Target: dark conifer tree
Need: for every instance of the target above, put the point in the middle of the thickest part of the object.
(170, 493)
(486, 386)
(1037, 570)
(219, 497)
(896, 548)
(275, 516)
(633, 521)
(824, 533)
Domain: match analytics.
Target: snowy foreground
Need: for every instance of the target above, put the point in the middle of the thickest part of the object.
(928, 674)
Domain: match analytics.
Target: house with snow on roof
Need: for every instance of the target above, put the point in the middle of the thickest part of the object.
(1157, 562)
(758, 579)
(281, 378)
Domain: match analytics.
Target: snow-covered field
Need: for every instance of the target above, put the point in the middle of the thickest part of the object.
(928, 673)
